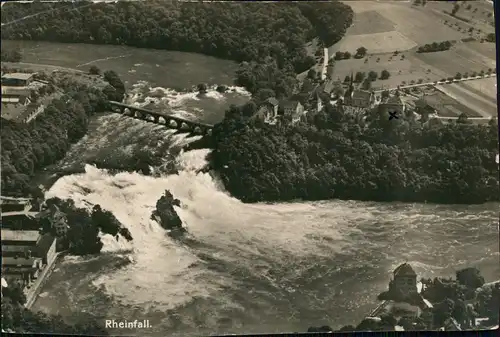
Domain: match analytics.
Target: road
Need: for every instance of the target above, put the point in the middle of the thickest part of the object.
(325, 63)
(434, 83)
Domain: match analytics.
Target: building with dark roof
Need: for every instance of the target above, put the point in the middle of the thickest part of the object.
(17, 79)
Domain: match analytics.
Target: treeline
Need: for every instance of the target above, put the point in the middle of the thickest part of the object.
(270, 37)
(435, 47)
(21, 320)
(27, 148)
(338, 155)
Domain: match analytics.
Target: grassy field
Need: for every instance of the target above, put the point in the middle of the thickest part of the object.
(448, 107)
(375, 43)
(458, 59)
(419, 25)
(486, 49)
(370, 22)
(478, 19)
(401, 70)
(486, 87)
(476, 103)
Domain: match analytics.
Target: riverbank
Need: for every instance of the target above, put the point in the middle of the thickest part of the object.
(36, 287)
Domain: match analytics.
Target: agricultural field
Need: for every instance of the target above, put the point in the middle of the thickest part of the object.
(375, 43)
(485, 87)
(459, 59)
(447, 106)
(370, 22)
(480, 15)
(478, 104)
(401, 69)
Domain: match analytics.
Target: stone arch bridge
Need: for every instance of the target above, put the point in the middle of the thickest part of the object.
(174, 122)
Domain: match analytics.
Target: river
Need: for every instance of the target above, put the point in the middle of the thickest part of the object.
(243, 268)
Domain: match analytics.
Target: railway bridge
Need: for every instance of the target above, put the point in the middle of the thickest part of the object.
(174, 122)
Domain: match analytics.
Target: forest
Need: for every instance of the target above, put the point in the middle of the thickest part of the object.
(28, 148)
(336, 155)
(269, 40)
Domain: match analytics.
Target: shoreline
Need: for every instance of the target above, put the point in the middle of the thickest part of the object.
(34, 291)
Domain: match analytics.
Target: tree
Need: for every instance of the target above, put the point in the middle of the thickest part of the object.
(463, 118)
(385, 94)
(361, 52)
(339, 55)
(372, 75)
(455, 9)
(384, 75)
(359, 77)
(347, 79)
(470, 277)
(458, 76)
(93, 70)
(15, 292)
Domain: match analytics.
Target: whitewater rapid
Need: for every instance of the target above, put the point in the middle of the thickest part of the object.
(244, 267)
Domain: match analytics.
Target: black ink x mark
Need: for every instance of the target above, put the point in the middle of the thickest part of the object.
(393, 115)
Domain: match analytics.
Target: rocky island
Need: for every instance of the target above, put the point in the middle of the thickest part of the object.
(166, 215)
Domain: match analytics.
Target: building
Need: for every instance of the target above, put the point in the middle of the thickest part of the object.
(292, 111)
(405, 280)
(404, 298)
(21, 268)
(24, 253)
(393, 105)
(17, 79)
(268, 110)
(271, 111)
(362, 99)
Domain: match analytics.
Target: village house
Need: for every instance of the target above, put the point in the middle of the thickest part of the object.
(25, 253)
(271, 111)
(393, 105)
(293, 111)
(268, 111)
(17, 103)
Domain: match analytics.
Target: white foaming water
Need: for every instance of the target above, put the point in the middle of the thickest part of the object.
(161, 272)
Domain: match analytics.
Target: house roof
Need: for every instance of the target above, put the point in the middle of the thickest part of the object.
(396, 100)
(18, 76)
(273, 101)
(404, 270)
(15, 235)
(362, 94)
(290, 104)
